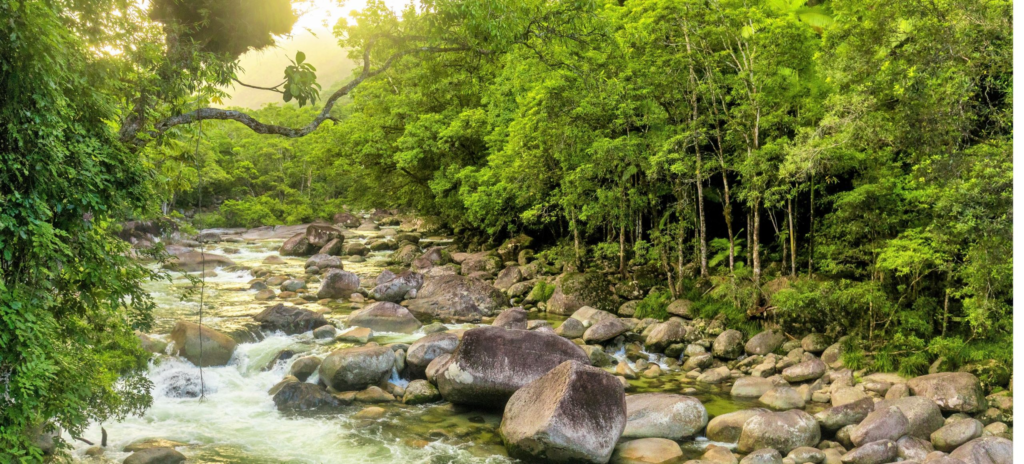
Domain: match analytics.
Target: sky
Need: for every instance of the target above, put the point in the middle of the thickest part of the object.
(312, 35)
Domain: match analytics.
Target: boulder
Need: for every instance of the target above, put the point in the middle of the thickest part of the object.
(571, 328)
(763, 456)
(431, 257)
(814, 343)
(298, 245)
(405, 255)
(357, 249)
(304, 367)
(359, 335)
(808, 370)
(681, 308)
(485, 262)
(950, 437)
(575, 290)
(573, 413)
(605, 330)
(833, 355)
(782, 397)
(508, 277)
(491, 363)
(715, 376)
(751, 387)
(421, 391)
(324, 261)
(728, 344)
(880, 424)
(512, 318)
(302, 396)
(664, 334)
(319, 235)
(385, 316)
(426, 349)
(952, 391)
(196, 261)
(454, 296)
(806, 455)
(647, 451)
(217, 348)
(985, 450)
(289, 319)
(764, 342)
(335, 247)
(923, 414)
(913, 448)
(783, 431)
(590, 316)
(837, 417)
(156, 455)
(353, 369)
(395, 288)
(727, 428)
(338, 284)
(876, 452)
(664, 415)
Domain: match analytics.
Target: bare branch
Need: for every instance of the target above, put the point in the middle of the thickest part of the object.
(275, 88)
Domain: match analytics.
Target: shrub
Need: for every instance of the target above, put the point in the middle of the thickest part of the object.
(654, 305)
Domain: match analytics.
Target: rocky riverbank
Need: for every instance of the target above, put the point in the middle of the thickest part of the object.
(560, 363)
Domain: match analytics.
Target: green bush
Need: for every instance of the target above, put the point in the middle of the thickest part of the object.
(654, 305)
(542, 291)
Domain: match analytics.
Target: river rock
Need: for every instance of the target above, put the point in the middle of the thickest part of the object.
(985, 450)
(324, 261)
(589, 316)
(297, 245)
(573, 413)
(304, 367)
(605, 330)
(727, 427)
(359, 335)
(715, 376)
(302, 396)
(814, 343)
(808, 370)
(385, 316)
(508, 277)
(682, 308)
(876, 452)
(217, 348)
(319, 235)
(338, 284)
(782, 431)
(782, 397)
(395, 288)
(491, 363)
(426, 349)
(512, 318)
(485, 262)
(950, 437)
(700, 361)
(837, 417)
(751, 387)
(574, 290)
(664, 415)
(763, 456)
(454, 296)
(289, 319)
(666, 333)
(923, 414)
(880, 424)
(195, 261)
(357, 368)
(952, 391)
(335, 247)
(158, 455)
(806, 455)
(728, 344)
(647, 451)
(764, 342)
(571, 328)
(913, 448)
(421, 391)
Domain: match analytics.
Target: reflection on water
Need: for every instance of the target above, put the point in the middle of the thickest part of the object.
(238, 423)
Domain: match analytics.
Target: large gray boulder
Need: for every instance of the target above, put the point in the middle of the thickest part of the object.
(289, 319)
(195, 261)
(297, 245)
(491, 363)
(985, 450)
(837, 417)
(385, 316)
(952, 391)
(512, 318)
(665, 334)
(589, 316)
(728, 345)
(880, 424)
(605, 330)
(353, 369)
(923, 414)
(573, 413)
(876, 452)
(216, 348)
(727, 428)
(764, 342)
(485, 261)
(783, 431)
(808, 370)
(155, 455)
(426, 349)
(508, 277)
(319, 235)
(664, 415)
(395, 288)
(951, 436)
(575, 290)
(454, 296)
(338, 284)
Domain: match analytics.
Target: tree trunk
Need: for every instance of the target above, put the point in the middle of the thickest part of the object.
(576, 240)
(810, 237)
(622, 250)
(792, 237)
(756, 243)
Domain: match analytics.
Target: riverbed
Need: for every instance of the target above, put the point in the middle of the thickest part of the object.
(235, 420)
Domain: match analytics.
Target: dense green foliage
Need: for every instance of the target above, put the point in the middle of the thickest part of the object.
(839, 166)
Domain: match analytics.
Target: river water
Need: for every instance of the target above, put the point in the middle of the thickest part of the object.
(236, 421)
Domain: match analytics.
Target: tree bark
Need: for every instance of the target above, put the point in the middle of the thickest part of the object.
(792, 237)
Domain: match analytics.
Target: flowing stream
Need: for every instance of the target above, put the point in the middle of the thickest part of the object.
(237, 422)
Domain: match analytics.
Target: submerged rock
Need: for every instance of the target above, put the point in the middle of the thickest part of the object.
(302, 396)
(491, 363)
(573, 413)
(664, 415)
(385, 316)
(289, 319)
